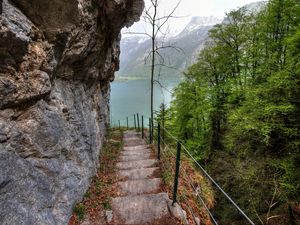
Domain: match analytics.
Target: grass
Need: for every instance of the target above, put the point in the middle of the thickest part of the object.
(87, 194)
(167, 177)
(106, 204)
(79, 210)
(99, 184)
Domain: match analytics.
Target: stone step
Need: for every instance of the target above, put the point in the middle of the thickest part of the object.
(131, 138)
(128, 134)
(136, 152)
(137, 164)
(135, 187)
(134, 142)
(135, 148)
(135, 174)
(126, 158)
(140, 209)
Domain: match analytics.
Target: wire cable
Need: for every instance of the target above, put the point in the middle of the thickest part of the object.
(212, 180)
(193, 187)
(189, 179)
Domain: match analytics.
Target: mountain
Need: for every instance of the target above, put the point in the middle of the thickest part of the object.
(255, 7)
(189, 42)
(198, 22)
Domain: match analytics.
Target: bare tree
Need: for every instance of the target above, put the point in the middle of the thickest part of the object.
(157, 22)
(159, 31)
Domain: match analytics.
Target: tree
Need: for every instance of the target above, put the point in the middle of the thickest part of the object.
(245, 90)
(158, 23)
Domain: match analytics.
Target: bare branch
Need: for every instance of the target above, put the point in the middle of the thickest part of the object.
(148, 16)
(162, 59)
(147, 57)
(260, 220)
(163, 87)
(272, 217)
(174, 17)
(164, 65)
(168, 17)
(148, 20)
(178, 49)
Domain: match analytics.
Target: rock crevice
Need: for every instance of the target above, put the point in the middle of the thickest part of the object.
(57, 59)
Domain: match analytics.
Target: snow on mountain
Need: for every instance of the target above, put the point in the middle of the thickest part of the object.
(255, 7)
(200, 21)
(192, 39)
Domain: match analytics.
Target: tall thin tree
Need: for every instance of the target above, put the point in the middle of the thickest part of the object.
(157, 22)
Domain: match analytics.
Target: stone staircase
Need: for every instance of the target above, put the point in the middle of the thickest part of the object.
(140, 198)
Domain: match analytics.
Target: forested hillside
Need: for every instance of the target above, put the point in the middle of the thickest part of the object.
(238, 109)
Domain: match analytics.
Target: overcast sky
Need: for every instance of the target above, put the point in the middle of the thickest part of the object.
(190, 8)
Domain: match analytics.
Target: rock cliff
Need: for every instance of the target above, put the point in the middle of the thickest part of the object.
(57, 59)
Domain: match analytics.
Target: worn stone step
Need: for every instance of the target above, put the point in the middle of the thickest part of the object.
(126, 158)
(134, 142)
(135, 148)
(137, 164)
(135, 187)
(136, 152)
(128, 134)
(131, 138)
(140, 209)
(135, 174)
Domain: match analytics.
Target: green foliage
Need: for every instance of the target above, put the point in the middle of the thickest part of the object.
(79, 210)
(87, 194)
(106, 204)
(288, 179)
(240, 103)
(167, 177)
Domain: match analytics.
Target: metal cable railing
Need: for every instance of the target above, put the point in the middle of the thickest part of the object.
(164, 153)
(135, 121)
(161, 138)
(189, 180)
(209, 177)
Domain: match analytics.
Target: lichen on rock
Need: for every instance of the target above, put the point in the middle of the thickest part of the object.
(57, 59)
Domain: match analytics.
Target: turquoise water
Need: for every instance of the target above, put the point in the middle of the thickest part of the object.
(133, 96)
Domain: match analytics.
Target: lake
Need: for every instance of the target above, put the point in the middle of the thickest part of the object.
(133, 96)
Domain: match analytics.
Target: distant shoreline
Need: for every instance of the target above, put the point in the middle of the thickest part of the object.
(126, 79)
(135, 78)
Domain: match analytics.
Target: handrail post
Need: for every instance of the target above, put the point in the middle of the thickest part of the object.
(158, 141)
(150, 136)
(127, 122)
(119, 125)
(138, 121)
(151, 133)
(134, 121)
(142, 127)
(176, 172)
(163, 125)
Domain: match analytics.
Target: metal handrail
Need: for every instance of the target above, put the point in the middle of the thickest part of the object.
(211, 179)
(194, 188)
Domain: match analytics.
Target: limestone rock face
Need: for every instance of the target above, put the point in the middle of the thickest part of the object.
(57, 59)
